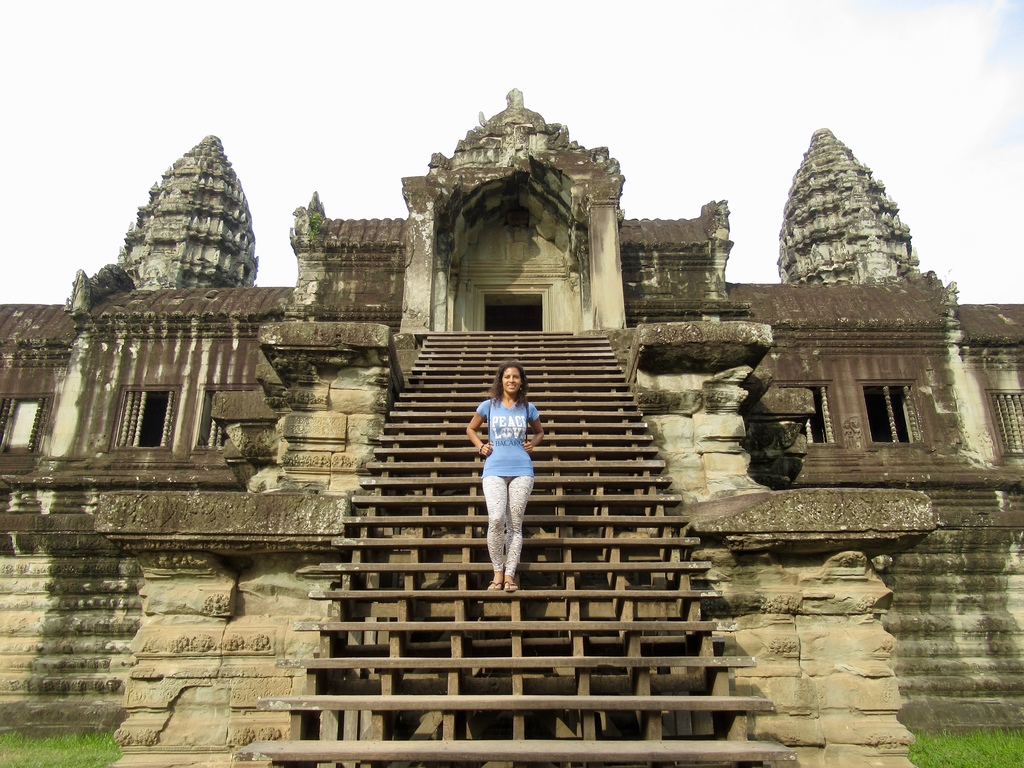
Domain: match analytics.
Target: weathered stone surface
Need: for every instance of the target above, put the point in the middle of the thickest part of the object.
(251, 521)
(700, 347)
(818, 520)
(813, 620)
(342, 337)
(840, 226)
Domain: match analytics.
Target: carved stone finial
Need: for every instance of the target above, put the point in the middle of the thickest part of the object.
(315, 206)
(81, 295)
(514, 99)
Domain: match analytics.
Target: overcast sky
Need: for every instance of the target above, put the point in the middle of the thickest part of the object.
(698, 101)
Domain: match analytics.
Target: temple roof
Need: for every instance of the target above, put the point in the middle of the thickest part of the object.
(379, 232)
(22, 324)
(248, 303)
(845, 307)
(992, 324)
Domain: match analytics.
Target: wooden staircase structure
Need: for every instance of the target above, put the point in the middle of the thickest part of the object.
(601, 657)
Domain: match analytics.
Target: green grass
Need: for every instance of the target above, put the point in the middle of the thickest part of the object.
(91, 750)
(980, 749)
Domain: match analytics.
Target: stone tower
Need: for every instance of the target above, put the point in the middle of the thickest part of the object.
(196, 231)
(839, 225)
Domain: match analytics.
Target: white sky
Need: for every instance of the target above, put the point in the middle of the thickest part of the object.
(698, 101)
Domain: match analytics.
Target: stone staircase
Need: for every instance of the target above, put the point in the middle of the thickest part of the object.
(600, 657)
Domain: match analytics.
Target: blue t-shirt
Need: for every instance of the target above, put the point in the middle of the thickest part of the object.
(506, 429)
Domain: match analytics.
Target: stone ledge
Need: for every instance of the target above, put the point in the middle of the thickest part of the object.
(703, 347)
(817, 520)
(221, 521)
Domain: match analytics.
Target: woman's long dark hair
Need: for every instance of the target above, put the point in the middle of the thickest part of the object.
(496, 388)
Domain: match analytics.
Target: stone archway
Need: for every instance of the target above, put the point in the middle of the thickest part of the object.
(511, 267)
(519, 215)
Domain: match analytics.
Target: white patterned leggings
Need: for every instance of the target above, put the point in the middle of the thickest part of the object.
(506, 504)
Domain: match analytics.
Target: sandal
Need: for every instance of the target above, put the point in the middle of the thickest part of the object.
(511, 586)
(494, 585)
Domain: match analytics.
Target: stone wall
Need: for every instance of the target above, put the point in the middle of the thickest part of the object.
(224, 577)
(797, 572)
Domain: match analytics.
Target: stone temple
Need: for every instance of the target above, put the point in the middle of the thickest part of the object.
(773, 524)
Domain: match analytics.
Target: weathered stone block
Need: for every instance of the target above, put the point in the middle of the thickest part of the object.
(322, 426)
(879, 731)
(700, 346)
(674, 434)
(791, 731)
(718, 431)
(818, 520)
(848, 691)
(364, 430)
(358, 401)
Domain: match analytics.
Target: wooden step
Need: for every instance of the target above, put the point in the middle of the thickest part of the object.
(607, 752)
(522, 702)
(531, 520)
(558, 626)
(604, 663)
(550, 429)
(540, 453)
(537, 500)
(532, 542)
(650, 567)
(542, 483)
(431, 595)
(540, 466)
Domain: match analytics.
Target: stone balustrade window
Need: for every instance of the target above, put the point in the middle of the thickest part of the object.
(891, 418)
(819, 426)
(21, 423)
(147, 419)
(211, 434)
(1009, 417)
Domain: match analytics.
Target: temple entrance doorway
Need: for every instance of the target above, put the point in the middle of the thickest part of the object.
(514, 312)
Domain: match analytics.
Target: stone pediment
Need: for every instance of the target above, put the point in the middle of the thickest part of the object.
(511, 137)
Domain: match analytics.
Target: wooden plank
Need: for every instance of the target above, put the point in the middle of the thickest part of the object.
(503, 703)
(540, 481)
(485, 568)
(532, 542)
(528, 662)
(637, 594)
(597, 521)
(498, 625)
(547, 499)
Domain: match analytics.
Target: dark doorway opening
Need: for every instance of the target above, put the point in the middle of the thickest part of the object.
(514, 312)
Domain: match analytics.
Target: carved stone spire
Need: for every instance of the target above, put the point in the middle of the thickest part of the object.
(196, 231)
(839, 225)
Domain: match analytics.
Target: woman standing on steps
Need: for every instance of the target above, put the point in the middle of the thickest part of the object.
(508, 469)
